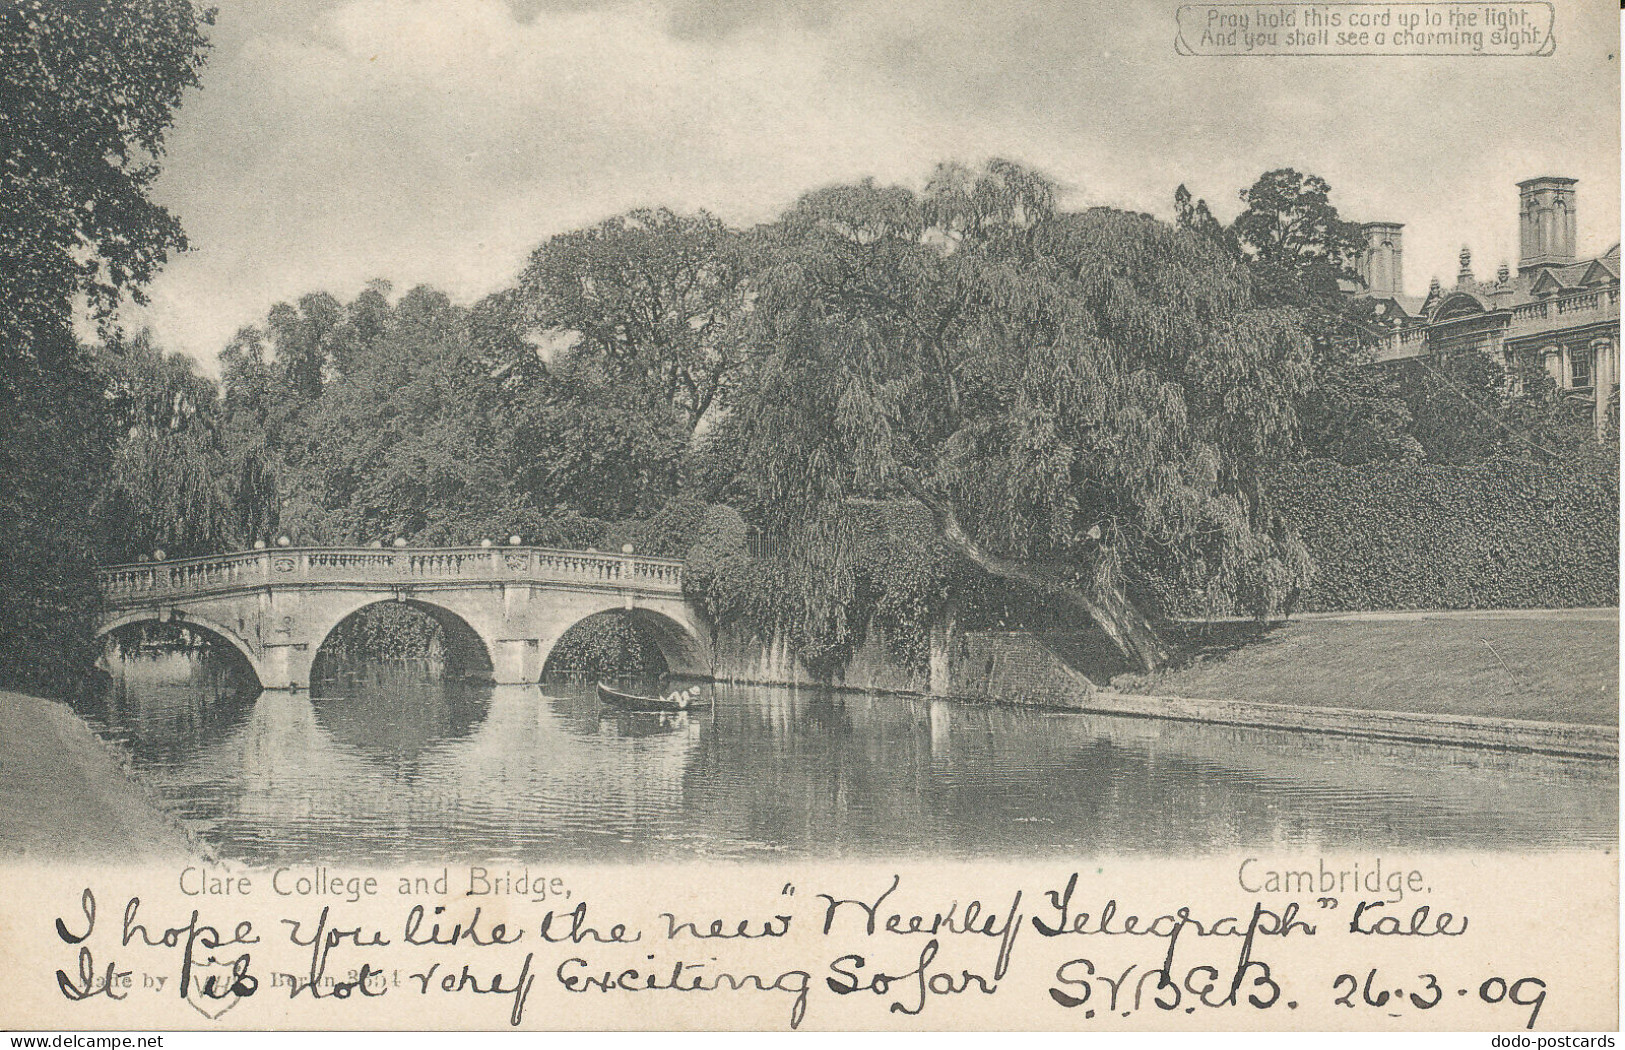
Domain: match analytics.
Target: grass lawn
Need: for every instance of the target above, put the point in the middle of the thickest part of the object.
(1558, 668)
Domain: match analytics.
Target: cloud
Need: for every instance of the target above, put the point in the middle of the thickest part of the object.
(527, 11)
(698, 19)
(440, 140)
(716, 19)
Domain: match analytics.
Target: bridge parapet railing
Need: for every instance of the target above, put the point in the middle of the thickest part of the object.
(345, 562)
(285, 565)
(570, 565)
(192, 574)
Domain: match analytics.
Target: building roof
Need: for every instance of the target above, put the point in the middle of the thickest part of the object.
(1379, 312)
(1528, 287)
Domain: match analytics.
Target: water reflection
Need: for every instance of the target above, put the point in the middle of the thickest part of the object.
(167, 702)
(416, 771)
(395, 713)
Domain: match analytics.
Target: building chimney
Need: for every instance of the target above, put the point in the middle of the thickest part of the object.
(1381, 265)
(1545, 222)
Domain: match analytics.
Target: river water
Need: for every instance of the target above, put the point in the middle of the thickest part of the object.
(390, 768)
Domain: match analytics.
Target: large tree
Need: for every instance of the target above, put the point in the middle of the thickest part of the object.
(87, 92)
(416, 405)
(455, 428)
(578, 439)
(176, 482)
(1302, 255)
(1083, 402)
(1293, 231)
(651, 296)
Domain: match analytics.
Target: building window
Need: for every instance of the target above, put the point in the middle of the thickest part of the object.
(758, 543)
(1511, 381)
(1579, 368)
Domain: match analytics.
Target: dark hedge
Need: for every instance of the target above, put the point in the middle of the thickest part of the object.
(1507, 534)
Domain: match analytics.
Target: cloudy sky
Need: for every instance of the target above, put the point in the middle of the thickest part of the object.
(438, 141)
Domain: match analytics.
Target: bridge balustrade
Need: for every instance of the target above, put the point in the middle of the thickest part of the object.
(293, 566)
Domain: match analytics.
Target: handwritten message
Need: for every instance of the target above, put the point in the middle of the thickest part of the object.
(1373, 29)
(1279, 943)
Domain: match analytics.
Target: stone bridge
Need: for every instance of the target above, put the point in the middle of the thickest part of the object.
(503, 608)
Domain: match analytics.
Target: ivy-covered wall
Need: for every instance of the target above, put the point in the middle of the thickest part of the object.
(1507, 534)
(880, 576)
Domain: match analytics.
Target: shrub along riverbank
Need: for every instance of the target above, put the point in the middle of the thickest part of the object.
(1506, 534)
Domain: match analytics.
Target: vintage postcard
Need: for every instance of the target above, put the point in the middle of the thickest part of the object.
(821, 515)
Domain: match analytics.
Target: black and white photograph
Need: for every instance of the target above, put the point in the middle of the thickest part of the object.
(824, 486)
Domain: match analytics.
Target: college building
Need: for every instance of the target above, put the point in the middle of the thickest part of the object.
(1556, 310)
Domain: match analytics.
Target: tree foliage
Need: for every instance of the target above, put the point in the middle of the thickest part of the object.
(1290, 229)
(53, 445)
(1470, 408)
(652, 297)
(1191, 213)
(175, 482)
(454, 428)
(1083, 402)
(87, 93)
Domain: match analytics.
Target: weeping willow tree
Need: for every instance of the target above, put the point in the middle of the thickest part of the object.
(1083, 402)
(175, 482)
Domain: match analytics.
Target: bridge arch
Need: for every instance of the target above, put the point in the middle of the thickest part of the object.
(465, 637)
(680, 639)
(189, 619)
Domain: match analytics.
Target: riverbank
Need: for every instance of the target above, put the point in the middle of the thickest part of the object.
(1533, 680)
(65, 796)
(1538, 680)
(1557, 666)
(1502, 734)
